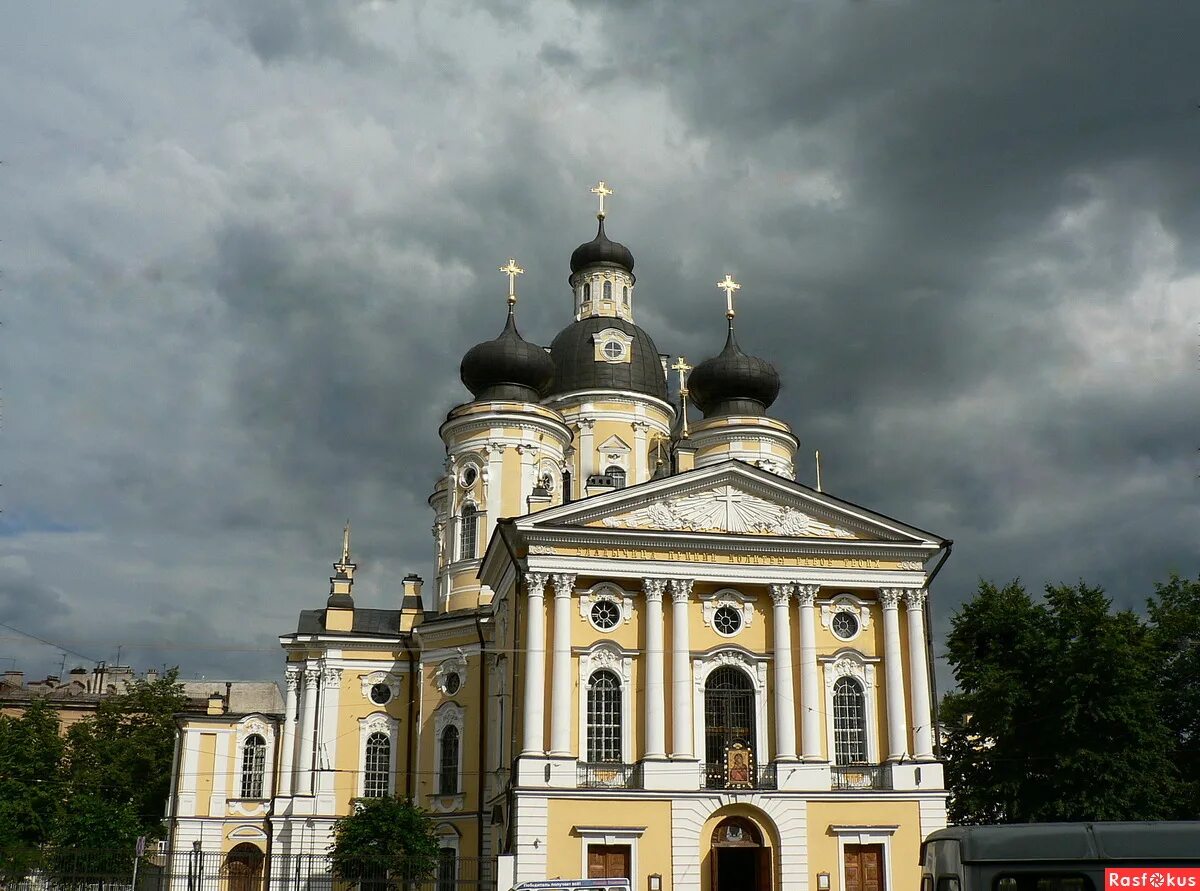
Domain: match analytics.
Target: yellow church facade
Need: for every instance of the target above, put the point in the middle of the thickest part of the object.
(646, 652)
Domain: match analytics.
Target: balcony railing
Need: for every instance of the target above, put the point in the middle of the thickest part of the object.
(763, 777)
(605, 775)
(861, 776)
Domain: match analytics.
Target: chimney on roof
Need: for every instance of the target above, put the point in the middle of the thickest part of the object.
(412, 607)
(216, 703)
(15, 679)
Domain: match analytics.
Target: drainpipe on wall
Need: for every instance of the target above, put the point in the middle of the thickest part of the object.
(412, 709)
(481, 769)
(931, 662)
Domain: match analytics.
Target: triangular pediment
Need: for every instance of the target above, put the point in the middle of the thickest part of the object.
(732, 498)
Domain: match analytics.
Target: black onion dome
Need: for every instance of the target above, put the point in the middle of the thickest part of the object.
(576, 366)
(508, 367)
(600, 250)
(733, 383)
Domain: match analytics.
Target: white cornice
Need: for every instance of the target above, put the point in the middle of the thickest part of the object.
(580, 396)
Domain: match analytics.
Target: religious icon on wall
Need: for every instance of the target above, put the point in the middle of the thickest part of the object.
(739, 767)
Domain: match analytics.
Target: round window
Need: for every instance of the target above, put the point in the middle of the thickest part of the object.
(845, 625)
(727, 620)
(468, 476)
(605, 615)
(613, 350)
(381, 694)
(452, 683)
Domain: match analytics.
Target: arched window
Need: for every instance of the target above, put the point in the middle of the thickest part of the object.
(849, 722)
(448, 766)
(468, 532)
(617, 475)
(625, 294)
(377, 766)
(604, 717)
(728, 714)
(587, 291)
(254, 764)
(608, 290)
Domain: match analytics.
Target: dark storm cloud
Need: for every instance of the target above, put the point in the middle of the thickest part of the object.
(966, 235)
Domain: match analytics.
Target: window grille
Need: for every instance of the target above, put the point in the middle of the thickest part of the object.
(728, 712)
(468, 532)
(254, 764)
(849, 722)
(448, 772)
(447, 869)
(617, 475)
(377, 766)
(604, 718)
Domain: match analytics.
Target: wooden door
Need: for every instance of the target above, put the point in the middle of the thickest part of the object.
(609, 862)
(764, 873)
(864, 868)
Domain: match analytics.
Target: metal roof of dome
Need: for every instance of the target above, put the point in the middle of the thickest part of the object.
(601, 250)
(573, 352)
(733, 383)
(508, 367)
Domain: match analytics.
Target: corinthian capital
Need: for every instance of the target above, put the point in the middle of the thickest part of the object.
(890, 597)
(780, 592)
(332, 676)
(564, 584)
(535, 583)
(312, 676)
(292, 675)
(653, 589)
(806, 594)
(681, 590)
(914, 598)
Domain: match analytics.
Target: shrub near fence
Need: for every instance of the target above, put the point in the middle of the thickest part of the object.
(246, 869)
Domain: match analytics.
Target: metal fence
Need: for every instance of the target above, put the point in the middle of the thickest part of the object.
(246, 869)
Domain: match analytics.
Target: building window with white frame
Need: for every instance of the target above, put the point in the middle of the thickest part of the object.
(849, 722)
(254, 765)
(448, 763)
(468, 532)
(604, 718)
(377, 765)
(608, 290)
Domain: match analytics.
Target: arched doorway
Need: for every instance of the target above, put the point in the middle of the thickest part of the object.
(728, 719)
(739, 861)
(243, 868)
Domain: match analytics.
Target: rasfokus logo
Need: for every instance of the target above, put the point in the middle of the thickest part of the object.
(1152, 877)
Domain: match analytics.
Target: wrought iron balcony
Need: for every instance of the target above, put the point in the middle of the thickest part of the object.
(608, 775)
(861, 776)
(763, 776)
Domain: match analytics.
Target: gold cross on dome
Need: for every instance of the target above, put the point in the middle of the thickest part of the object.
(602, 190)
(512, 270)
(683, 368)
(729, 286)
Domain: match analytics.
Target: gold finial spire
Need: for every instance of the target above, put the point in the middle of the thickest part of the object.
(602, 190)
(818, 454)
(512, 270)
(346, 542)
(681, 365)
(729, 286)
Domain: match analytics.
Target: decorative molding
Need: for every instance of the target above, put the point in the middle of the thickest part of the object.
(846, 603)
(449, 714)
(332, 677)
(653, 589)
(914, 598)
(743, 603)
(535, 583)
(451, 665)
(607, 656)
(606, 591)
(912, 565)
(726, 509)
(806, 595)
(377, 722)
(379, 677)
(852, 664)
(755, 667)
(312, 676)
(681, 590)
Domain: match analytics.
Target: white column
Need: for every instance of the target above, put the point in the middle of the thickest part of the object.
(287, 753)
(587, 452)
(785, 706)
(918, 668)
(312, 676)
(560, 678)
(327, 731)
(535, 665)
(893, 674)
(494, 475)
(681, 671)
(656, 731)
(811, 703)
(640, 473)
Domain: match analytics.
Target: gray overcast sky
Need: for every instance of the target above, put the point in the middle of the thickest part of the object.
(245, 246)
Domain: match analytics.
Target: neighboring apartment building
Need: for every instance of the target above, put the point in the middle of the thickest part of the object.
(647, 651)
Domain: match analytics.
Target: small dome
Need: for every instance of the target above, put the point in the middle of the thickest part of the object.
(733, 383)
(508, 367)
(577, 368)
(601, 251)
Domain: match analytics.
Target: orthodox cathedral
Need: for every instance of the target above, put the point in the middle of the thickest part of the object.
(646, 651)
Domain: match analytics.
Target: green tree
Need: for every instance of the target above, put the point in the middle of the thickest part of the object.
(1174, 612)
(386, 841)
(31, 786)
(119, 766)
(1056, 716)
